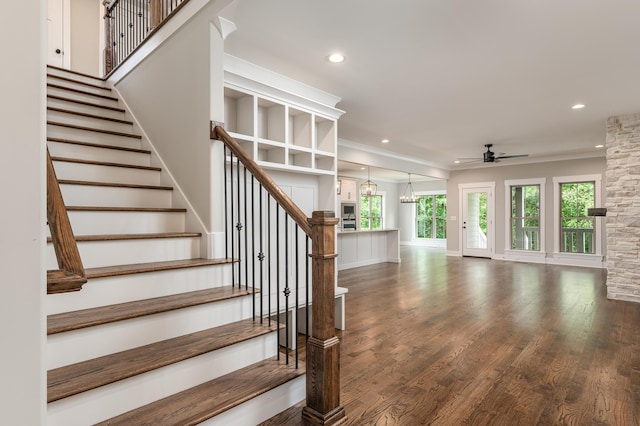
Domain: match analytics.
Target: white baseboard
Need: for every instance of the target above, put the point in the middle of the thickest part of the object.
(454, 253)
(367, 263)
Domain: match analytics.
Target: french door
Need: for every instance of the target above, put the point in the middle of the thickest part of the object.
(478, 230)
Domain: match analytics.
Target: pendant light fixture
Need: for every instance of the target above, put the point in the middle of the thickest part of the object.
(368, 189)
(409, 196)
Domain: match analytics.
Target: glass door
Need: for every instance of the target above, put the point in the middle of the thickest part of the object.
(477, 222)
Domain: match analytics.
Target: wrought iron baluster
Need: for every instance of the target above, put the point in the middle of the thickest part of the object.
(231, 233)
(269, 258)
(261, 259)
(287, 290)
(278, 275)
(246, 236)
(297, 294)
(239, 227)
(306, 308)
(226, 202)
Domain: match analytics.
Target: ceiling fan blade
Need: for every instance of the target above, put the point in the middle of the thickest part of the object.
(502, 157)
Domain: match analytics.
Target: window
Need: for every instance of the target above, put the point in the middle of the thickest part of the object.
(525, 217)
(431, 216)
(371, 212)
(577, 228)
(576, 232)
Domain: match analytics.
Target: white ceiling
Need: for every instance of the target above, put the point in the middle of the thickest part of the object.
(440, 78)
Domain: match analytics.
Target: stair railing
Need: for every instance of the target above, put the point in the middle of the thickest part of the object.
(128, 23)
(262, 234)
(71, 275)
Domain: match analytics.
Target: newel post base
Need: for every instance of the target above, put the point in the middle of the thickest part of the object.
(323, 347)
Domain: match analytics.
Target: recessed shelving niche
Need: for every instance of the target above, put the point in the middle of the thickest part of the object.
(279, 135)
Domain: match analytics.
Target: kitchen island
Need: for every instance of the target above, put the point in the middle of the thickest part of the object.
(361, 248)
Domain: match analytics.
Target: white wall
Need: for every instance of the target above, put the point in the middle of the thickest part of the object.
(499, 174)
(174, 93)
(391, 201)
(85, 36)
(22, 237)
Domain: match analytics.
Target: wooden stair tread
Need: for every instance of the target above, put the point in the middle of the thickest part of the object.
(82, 92)
(126, 209)
(84, 114)
(209, 399)
(84, 83)
(122, 237)
(98, 145)
(92, 129)
(87, 103)
(76, 378)
(68, 71)
(140, 268)
(75, 320)
(114, 185)
(105, 163)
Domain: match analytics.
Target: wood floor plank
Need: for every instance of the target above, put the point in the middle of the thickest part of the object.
(68, 321)
(443, 340)
(73, 379)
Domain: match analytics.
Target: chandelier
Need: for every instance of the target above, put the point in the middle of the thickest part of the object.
(368, 189)
(409, 196)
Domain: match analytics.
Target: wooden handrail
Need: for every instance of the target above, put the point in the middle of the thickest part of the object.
(323, 347)
(71, 275)
(218, 133)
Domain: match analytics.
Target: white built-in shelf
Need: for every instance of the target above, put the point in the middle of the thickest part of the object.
(281, 136)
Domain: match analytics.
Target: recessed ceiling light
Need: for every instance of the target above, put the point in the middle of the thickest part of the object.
(363, 168)
(578, 106)
(599, 146)
(385, 141)
(457, 162)
(336, 58)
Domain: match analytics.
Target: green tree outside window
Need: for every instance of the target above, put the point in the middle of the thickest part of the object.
(371, 212)
(431, 216)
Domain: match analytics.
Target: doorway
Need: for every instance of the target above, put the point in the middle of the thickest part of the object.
(58, 43)
(477, 233)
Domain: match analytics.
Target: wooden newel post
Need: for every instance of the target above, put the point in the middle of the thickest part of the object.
(108, 43)
(155, 14)
(323, 348)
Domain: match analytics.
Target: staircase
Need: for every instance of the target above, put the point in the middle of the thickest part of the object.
(158, 335)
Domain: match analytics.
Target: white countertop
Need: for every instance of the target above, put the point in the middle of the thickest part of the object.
(342, 231)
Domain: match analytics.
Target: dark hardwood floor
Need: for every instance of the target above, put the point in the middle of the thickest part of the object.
(440, 340)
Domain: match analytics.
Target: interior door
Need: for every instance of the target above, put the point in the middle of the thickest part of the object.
(55, 33)
(477, 222)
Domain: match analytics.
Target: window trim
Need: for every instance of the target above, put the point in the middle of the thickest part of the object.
(557, 181)
(507, 204)
(414, 217)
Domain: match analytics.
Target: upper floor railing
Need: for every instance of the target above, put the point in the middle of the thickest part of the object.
(268, 235)
(128, 23)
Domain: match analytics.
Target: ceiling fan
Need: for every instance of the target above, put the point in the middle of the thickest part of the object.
(492, 157)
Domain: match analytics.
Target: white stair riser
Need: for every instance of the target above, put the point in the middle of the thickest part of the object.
(81, 135)
(115, 222)
(82, 97)
(74, 106)
(263, 407)
(123, 252)
(126, 288)
(111, 174)
(82, 152)
(91, 136)
(74, 76)
(105, 402)
(80, 120)
(80, 345)
(113, 196)
(79, 86)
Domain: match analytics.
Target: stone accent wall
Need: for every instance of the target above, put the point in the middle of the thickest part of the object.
(623, 207)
